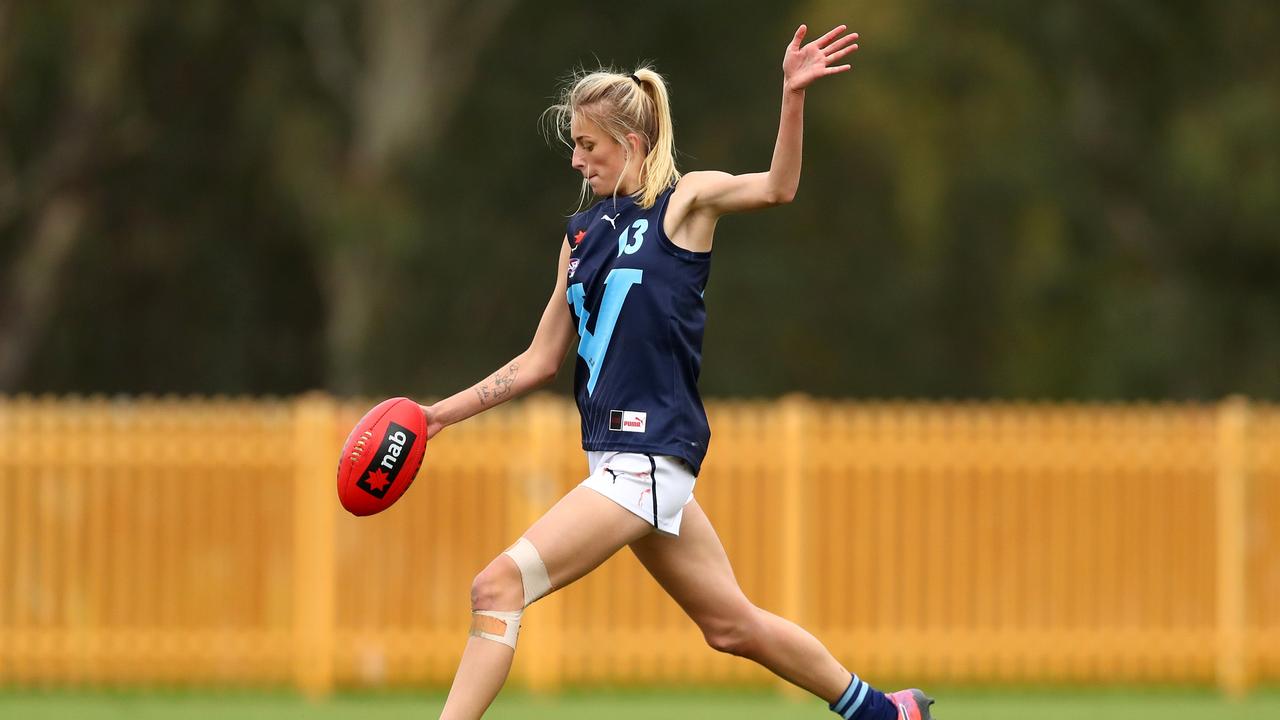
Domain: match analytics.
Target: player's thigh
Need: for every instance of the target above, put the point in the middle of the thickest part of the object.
(695, 571)
(581, 531)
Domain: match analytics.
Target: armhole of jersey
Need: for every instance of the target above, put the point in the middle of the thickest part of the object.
(670, 247)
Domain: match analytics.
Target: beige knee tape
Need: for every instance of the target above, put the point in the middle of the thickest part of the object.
(510, 619)
(533, 576)
(533, 573)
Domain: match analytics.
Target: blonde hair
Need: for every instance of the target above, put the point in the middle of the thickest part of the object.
(621, 104)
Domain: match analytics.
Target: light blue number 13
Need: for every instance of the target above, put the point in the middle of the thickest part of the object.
(630, 246)
(593, 345)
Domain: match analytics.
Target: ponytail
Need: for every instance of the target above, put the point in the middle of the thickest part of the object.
(620, 104)
(658, 171)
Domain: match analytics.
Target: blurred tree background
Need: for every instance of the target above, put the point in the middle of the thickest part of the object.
(1053, 200)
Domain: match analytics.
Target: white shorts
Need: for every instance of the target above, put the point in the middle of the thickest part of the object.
(654, 487)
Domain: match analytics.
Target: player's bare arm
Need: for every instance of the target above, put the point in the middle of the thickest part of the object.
(534, 367)
(702, 197)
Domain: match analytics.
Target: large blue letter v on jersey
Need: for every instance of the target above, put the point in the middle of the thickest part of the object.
(594, 345)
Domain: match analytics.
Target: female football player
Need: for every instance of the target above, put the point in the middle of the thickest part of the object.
(629, 286)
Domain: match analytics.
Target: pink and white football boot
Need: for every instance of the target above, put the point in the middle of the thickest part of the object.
(912, 704)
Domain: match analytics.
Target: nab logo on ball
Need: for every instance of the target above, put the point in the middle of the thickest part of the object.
(381, 474)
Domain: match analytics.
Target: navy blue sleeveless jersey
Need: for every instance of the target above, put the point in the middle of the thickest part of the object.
(636, 299)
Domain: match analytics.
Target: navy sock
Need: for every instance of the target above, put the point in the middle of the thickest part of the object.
(860, 701)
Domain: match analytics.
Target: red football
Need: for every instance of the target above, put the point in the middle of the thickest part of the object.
(381, 456)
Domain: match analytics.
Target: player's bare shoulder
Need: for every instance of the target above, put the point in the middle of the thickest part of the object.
(687, 227)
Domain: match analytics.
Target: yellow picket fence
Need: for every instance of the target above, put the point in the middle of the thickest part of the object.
(199, 542)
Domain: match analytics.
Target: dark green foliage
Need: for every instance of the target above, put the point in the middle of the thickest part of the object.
(1034, 200)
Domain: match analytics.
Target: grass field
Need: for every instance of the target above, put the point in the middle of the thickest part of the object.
(635, 705)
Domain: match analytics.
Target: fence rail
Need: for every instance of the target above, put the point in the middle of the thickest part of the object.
(199, 541)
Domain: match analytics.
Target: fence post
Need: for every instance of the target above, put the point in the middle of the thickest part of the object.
(1232, 500)
(10, 442)
(314, 418)
(795, 412)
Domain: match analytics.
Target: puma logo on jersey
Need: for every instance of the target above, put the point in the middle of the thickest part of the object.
(613, 221)
(627, 421)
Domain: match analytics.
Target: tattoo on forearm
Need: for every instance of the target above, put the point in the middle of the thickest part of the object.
(502, 382)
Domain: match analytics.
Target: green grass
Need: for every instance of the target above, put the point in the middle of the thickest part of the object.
(636, 705)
